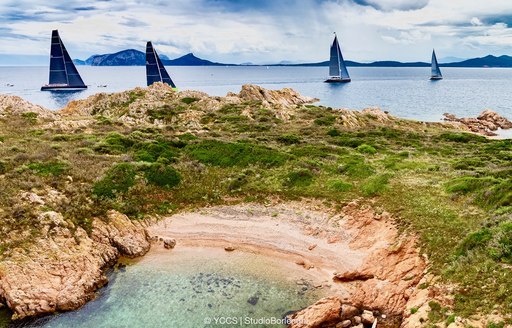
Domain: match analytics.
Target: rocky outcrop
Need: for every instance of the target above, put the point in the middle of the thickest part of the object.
(331, 312)
(486, 123)
(14, 105)
(64, 266)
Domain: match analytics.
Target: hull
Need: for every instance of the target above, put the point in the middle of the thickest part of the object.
(436, 78)
(50, 87)
(337, 80)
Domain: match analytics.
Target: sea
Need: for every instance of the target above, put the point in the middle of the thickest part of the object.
(404, 92)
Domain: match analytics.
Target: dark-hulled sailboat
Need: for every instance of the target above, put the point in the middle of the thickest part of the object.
(63, 73)
(155, 70)
(338, 72)
(436, 71)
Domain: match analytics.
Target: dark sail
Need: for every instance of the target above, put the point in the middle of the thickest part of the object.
(63, 73)
(337, 68)
(436, 71)
(155, 70)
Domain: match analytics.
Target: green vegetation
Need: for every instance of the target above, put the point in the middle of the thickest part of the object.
(452, 189)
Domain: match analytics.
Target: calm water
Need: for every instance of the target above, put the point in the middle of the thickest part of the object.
(188, 288)
(405, 92)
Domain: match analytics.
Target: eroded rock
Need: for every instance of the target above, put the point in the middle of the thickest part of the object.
(486, 123)
(63, 268)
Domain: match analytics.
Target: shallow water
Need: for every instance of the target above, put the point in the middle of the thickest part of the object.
(195, 288)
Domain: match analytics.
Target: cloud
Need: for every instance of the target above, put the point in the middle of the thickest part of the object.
(261, 31)
(389, 5)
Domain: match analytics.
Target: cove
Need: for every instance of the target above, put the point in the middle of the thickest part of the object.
(196, 287)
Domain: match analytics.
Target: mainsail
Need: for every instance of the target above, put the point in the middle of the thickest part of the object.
(436, 71)
(337, 68)
(63, 73)
(155, 70)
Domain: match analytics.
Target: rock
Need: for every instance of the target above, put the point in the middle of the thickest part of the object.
(487, 122)
(229, 248)
(351, 276)
(14, 105)
(253, 300)
(312, 247)
(61, 271)
(356, 320)
(344, 324)
(367, 317)
(348, 311)
(360, 325)
(325, 312)
(169, 243)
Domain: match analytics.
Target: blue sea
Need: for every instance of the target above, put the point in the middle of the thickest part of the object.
(404, 92)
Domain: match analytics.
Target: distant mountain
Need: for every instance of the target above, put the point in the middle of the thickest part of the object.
(487, 61)
(191, 60)
(356, 64)
(130, 57)
(450, 59)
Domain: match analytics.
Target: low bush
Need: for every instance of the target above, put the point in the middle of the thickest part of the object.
(375, 185)
(366, 149)
(48, 168)
(288, 139)
(301, 178)
(224, 154)
(118, 179)
(161, 175)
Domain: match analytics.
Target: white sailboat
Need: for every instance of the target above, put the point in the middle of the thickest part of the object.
(436, 71)
(338, 72)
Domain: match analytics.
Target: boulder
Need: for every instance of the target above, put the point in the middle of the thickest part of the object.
(348, 276)
(325, 312)
(169, 243)
(367, 317)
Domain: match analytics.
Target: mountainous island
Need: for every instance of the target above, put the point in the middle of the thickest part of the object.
(397, 221)
(132, 57)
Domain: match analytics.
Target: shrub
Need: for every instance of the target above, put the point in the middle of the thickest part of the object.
(366, 149)
(30, 116)
(301, 178)
(348, 142)
(325, 120)
(339, 185)
(356, 167)
(288, 139)
(49, 168)
(162, 175)
(333, 133)
(234, 154)
(189, 100)
(474, 240)
(114, 143)
(3, 167)
(462, 137)
(117, 180)
(466, 185)
(375, 185)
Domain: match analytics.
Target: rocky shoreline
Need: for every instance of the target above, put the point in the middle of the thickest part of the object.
(65, 266)
(485, 124)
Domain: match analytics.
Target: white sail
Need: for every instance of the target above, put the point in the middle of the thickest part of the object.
(436, 71)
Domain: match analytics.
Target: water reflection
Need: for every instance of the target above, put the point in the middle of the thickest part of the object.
(63, 97)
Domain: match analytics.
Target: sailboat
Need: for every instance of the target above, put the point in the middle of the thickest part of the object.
(155, 70)
(337, 69)
(63, 73)
(436, 71)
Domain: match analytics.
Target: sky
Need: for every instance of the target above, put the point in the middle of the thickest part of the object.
(260, 31)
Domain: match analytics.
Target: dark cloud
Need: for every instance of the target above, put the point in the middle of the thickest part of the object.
(133, 22)
(89, 8)
(496, 19)
(390, 5)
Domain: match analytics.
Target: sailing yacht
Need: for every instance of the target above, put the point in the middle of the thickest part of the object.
(436, 71)
(337, 69)
(155, 70)
(63, 73)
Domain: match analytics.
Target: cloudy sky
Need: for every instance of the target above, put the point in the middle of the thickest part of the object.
(261, 31)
